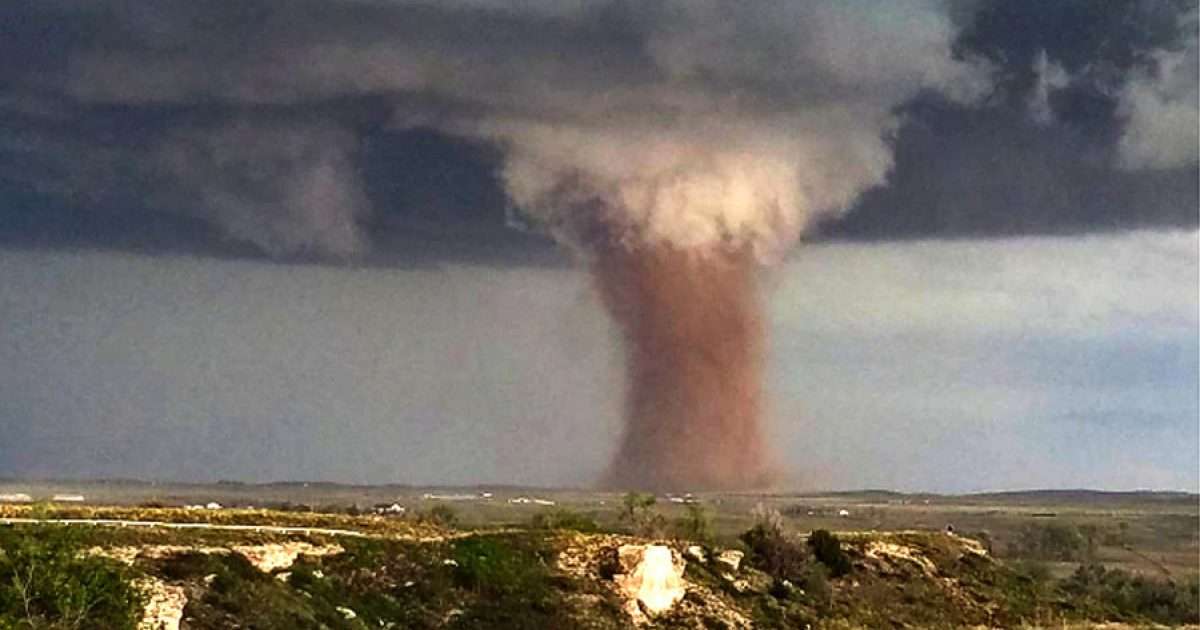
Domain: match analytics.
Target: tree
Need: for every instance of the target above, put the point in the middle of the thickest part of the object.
(696, 524)
(828, 550)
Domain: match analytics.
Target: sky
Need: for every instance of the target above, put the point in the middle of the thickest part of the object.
(349, 241)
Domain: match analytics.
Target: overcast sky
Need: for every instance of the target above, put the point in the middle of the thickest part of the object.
(313, 240)
(919, 366)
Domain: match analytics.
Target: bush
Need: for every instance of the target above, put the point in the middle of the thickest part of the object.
(778, 555)
(797, 510)
(440, 515)
(1104, 593)
(1091, 539)
(695, 525)
(564, 519)
(636, 508)
(1053, 541)
(768, 518)
(985, 538)
(816, 586)
(637, 511)
(1119, 538)
(655, 525)
(636, 503)
(493, 568)
(828, 551)
(1035, 572)
(46, 582)
(509, 584)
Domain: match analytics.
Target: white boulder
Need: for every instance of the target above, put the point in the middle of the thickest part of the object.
(651, 575)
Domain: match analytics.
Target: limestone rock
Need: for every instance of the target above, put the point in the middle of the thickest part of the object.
(271, 557)
(651, 575)
(164, 604)
(731, 559)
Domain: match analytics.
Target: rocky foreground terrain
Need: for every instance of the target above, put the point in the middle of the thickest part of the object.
(243, 569)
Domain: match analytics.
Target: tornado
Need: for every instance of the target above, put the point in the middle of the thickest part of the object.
(693, 331)
(678, 149)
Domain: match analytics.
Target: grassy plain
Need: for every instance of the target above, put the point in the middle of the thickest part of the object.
(1143, 532)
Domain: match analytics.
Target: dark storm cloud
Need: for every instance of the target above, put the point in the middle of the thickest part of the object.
(314, 127)
(987, 173)
(1061, 144)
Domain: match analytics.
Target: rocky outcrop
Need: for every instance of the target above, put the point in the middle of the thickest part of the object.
(730, 559)
(650, 577)
(268, 558)
(164, 604)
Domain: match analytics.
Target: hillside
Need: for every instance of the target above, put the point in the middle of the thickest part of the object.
(235, 568)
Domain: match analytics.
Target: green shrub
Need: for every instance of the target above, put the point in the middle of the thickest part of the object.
(564, 519)
(775, 553)
(635, 504)
(493, 568)
(1052, 541)
(440, 515)
(47, 582)
(637, 512)
(1035, 572)
(239, 595)
(816, 586)
(397, 584)
(695, 524)
(1105, 593)
(828, 550)
(1023, 589)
